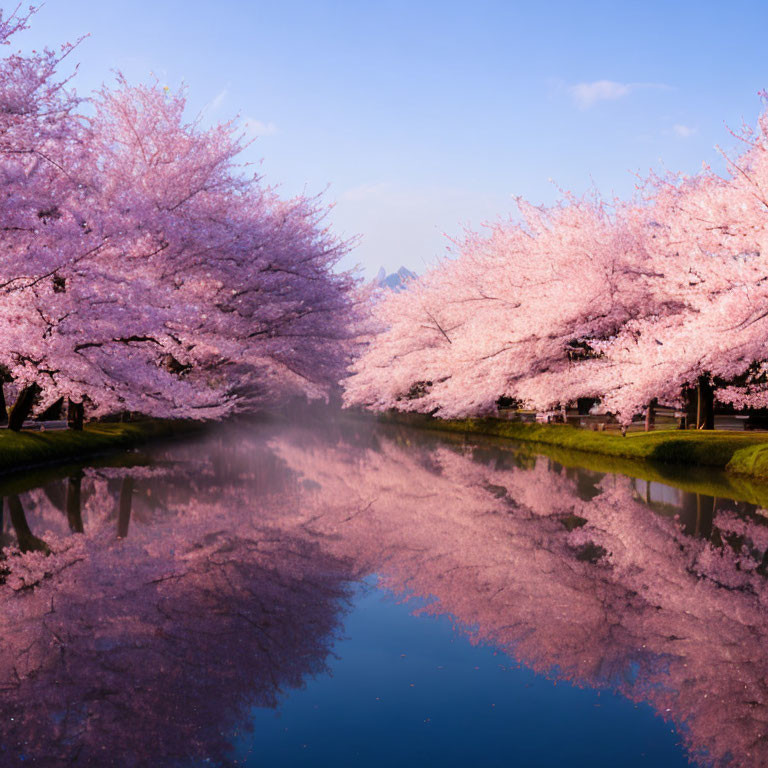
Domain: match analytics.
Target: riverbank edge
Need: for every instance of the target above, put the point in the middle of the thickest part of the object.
(25, 450)
(661, 455)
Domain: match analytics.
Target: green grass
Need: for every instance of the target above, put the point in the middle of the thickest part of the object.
(23, 450)
(715, 463)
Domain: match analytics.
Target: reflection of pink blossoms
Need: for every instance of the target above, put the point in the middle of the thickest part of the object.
(153, 649)
(602, 592)
(570, 573)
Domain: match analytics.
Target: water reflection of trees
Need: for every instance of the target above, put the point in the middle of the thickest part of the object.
(151, 649)
(573, 574)
(211, 579)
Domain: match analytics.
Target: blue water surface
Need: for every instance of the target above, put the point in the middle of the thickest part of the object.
(411, 690)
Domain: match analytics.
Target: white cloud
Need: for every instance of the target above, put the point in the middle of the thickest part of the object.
(586, 95)
(683, 131)
(255, 128)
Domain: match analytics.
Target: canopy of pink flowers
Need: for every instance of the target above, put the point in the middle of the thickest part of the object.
(142, 268)
(624, 302)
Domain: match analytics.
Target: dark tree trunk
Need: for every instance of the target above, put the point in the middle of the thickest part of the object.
(697, 515)
(3, 409)
(689, 407)
(56, 495)
(126, 498)
(75, 415)
(650, 415)
(74, 509)
(705, 407)
(22, 407)
(28, 542)
(52, 412)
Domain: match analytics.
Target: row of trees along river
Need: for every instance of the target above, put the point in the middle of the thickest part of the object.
(144, 270)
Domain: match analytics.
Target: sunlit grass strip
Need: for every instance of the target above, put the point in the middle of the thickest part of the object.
(19, 450)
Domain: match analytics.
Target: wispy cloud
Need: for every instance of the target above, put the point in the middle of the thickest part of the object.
(683, 131)
(586, 95)
(256, 128)
(215, 103)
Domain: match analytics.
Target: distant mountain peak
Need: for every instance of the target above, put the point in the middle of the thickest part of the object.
(397, 281)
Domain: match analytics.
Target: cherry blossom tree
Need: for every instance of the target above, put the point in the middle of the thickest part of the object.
(146, 270)
(632, 304)
(709, 246)
(39, 131)
(515, 314)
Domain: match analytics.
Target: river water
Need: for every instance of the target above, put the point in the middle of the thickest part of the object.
(347, 594)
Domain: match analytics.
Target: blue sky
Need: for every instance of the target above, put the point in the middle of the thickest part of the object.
(419, 118)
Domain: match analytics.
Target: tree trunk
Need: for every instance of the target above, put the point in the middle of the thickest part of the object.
(22, 407)
(75, 415)
(28, 542)
(650, 415)
(700, 515)
(689, 407)
(126, 498)
(3, 409)
(52, 412)
(56, 494)
(705, 404)
(74, 509)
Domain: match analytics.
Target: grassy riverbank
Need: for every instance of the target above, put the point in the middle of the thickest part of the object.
(22, 450)
(742, 454)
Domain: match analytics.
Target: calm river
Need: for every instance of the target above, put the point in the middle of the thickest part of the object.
(358, 595)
